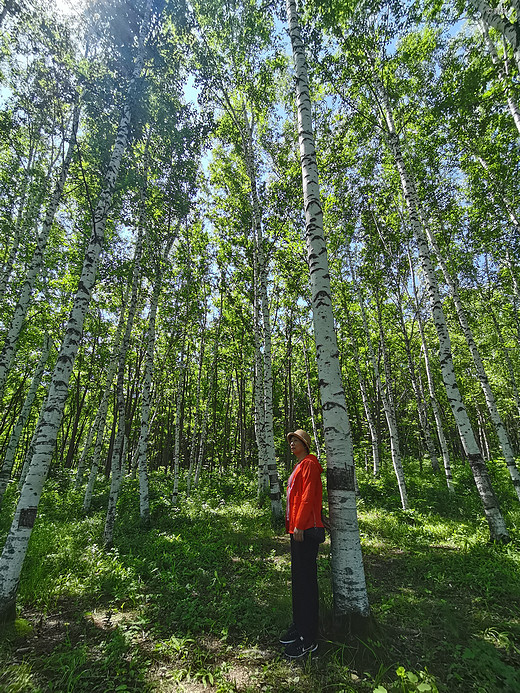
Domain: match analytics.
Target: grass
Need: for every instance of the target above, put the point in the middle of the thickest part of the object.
(197, 601)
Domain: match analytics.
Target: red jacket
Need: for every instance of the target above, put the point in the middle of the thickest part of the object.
(304, 495)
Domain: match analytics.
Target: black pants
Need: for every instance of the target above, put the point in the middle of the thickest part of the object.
(304, 575)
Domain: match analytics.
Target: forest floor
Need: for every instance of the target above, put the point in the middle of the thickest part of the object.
(196, 602)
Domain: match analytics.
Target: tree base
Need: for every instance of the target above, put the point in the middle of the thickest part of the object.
(343, 627)
(8, 612)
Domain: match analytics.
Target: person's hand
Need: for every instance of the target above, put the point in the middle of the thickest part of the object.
(298, 534)
(326, 521)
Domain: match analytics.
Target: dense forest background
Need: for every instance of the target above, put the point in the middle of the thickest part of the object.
(160, 327)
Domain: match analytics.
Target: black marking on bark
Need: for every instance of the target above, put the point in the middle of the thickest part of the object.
(340, 479)
(27, 517)
(333, 405)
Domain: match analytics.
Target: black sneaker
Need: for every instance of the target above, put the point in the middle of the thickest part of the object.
(299, 648)
(289, 637)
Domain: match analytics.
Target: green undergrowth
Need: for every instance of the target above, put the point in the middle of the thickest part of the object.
(196, 601)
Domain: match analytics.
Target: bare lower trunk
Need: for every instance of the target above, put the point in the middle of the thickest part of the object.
(101, 417)
(118, 454)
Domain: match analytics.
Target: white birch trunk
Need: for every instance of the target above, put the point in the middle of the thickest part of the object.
(116, 463)
(193, 443)
(388, 405)
(259, 411)
(502, 76)
(12, 445)
(431, 388)
(489, 396)
(86, 449)
(202, 444)
(142, 445)
(309, 396)
(491, 17)
(348, 576)
(492, 511)
(178, 402)
(436, 409)
(365, 398)
(118, 452)
(259, 420)
(385, 396)
(483, 437)
(13, 555)
(101, 416)
(262, 295)
(103, 410)
(415, 379)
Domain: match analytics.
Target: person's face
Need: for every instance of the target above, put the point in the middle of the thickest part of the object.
(297, 447)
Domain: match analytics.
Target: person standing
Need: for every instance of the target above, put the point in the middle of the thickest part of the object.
(304, 500)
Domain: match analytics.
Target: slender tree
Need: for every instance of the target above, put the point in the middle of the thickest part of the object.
(348, 576)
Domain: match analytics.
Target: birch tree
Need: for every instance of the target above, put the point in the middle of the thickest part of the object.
(348, 577)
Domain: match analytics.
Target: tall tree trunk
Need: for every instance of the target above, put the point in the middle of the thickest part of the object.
(391, 418)
(496, 419)
(193, 443)
(480, 472)
(431, 388)
(118, 457)
(20, 311)
(310, 398)
(178, 416)
(348, 575)
(502, 75)
(386, 396)
(15, 548)
(142, 445)
(116, 461)
(101, 417)
(7, 467)
(374, 441)
(417, 388)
